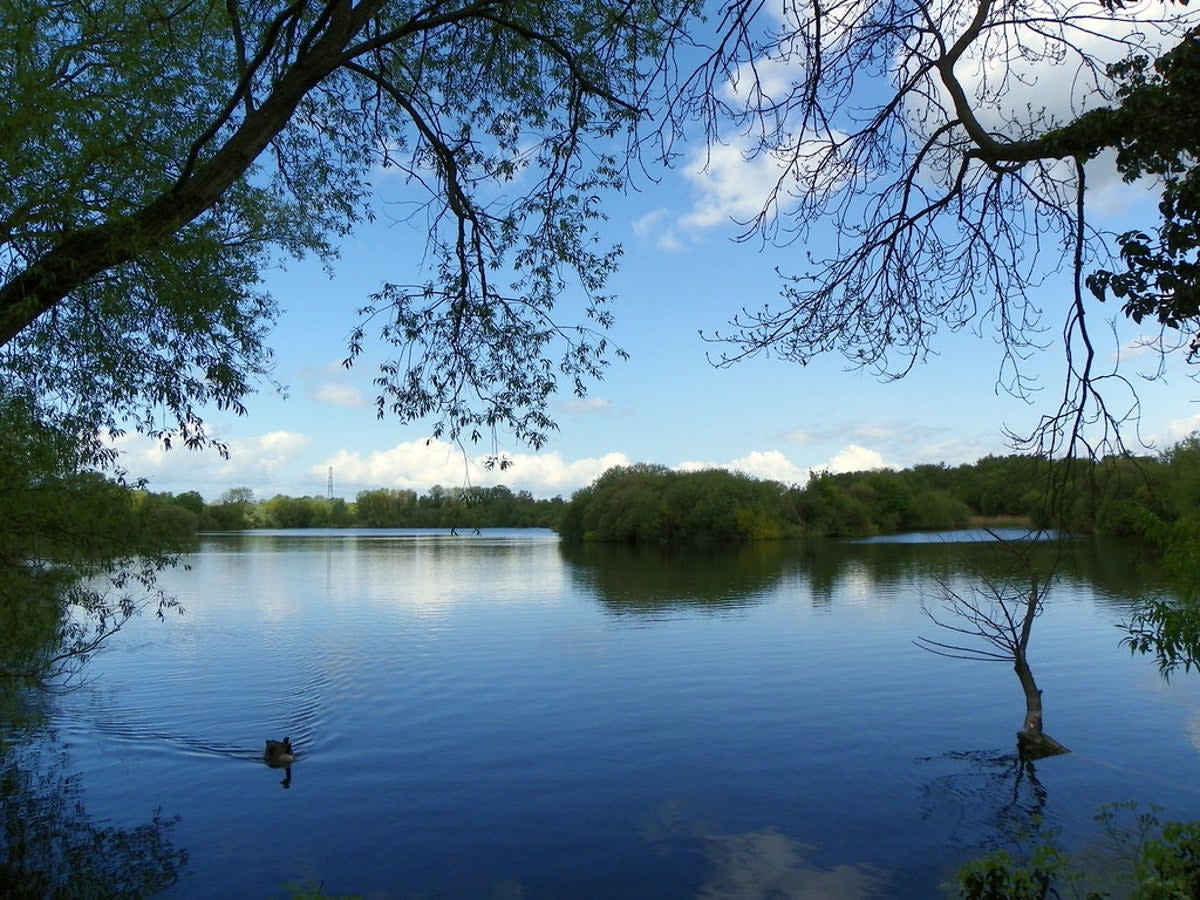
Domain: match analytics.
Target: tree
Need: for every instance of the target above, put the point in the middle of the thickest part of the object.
(157, 157)
(1155, 129)
(999, 615)
(952, 190)
(79, 553)
(649, 504)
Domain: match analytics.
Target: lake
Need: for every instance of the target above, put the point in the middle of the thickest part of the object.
(500, 716)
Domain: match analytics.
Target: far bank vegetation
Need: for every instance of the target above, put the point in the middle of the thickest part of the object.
(1118, 496)
(651, 504)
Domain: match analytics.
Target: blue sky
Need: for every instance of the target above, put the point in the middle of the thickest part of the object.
(682, 273)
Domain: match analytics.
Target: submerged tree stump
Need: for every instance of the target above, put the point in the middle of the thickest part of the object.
(1036, 745)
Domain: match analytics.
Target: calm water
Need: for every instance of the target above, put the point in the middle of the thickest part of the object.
(497, 716)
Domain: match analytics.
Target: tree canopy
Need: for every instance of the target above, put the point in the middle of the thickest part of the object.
(79, 552)
(159, 156)
(939, 150)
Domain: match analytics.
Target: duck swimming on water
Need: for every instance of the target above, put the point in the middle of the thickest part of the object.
(279, 753)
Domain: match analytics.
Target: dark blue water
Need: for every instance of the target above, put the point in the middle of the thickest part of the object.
(495, 716)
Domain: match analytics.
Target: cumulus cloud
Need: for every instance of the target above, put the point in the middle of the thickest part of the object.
(1178, 429)
(775, 466)
(734, 180)
(768, 864)
(770, 464)
(730, 185)
(953, 451)
(256, 461)
(758, 864)
(1047, 83)
(873, 432)
(854, 458)
(417, 465)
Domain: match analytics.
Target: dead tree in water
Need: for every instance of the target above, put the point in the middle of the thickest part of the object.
(999, 614)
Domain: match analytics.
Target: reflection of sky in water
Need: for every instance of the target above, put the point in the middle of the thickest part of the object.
(425, 574)
(756, 865)
(475, 718)
(856, 586)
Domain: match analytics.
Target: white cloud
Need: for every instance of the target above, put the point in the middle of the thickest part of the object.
(1047, 82)
(854, 458)
(340, 395)
(551, 473)
(894, 432)
(730, 187)
(952, 452)
(799, 436)
(587, 405)
(254, 461)
(873, 432)
(1178, 429)
(655, 227)
(1113, 199)
(775, 466)
(418, 465)
(768, 864)
(771, 465)
(272, 450)
(736, 181)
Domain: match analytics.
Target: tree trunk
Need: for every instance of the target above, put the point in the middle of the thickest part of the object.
(1032, 742)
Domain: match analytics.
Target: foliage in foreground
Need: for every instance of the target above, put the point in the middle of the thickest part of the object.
(1168, 626)
(157, 160)
(79, 552)
(1165, 866)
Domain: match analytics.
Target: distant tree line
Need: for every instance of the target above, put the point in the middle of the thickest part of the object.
(1116, 496)
(1144, 497)
(442, 507)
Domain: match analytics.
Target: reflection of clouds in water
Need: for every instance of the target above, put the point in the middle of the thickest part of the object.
(756, 865)
(856, 587)
(766, 864)
(860, 586)
(1193, 728)
(429, 575)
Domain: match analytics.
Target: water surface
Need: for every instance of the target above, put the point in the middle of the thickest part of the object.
(500, 716)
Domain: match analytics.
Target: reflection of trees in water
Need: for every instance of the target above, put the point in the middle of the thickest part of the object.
(51, 847)
(755, 865)
(1114, 569)
(991, 798)
(648, 579)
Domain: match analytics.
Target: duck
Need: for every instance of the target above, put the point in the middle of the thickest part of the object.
(279, 754)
